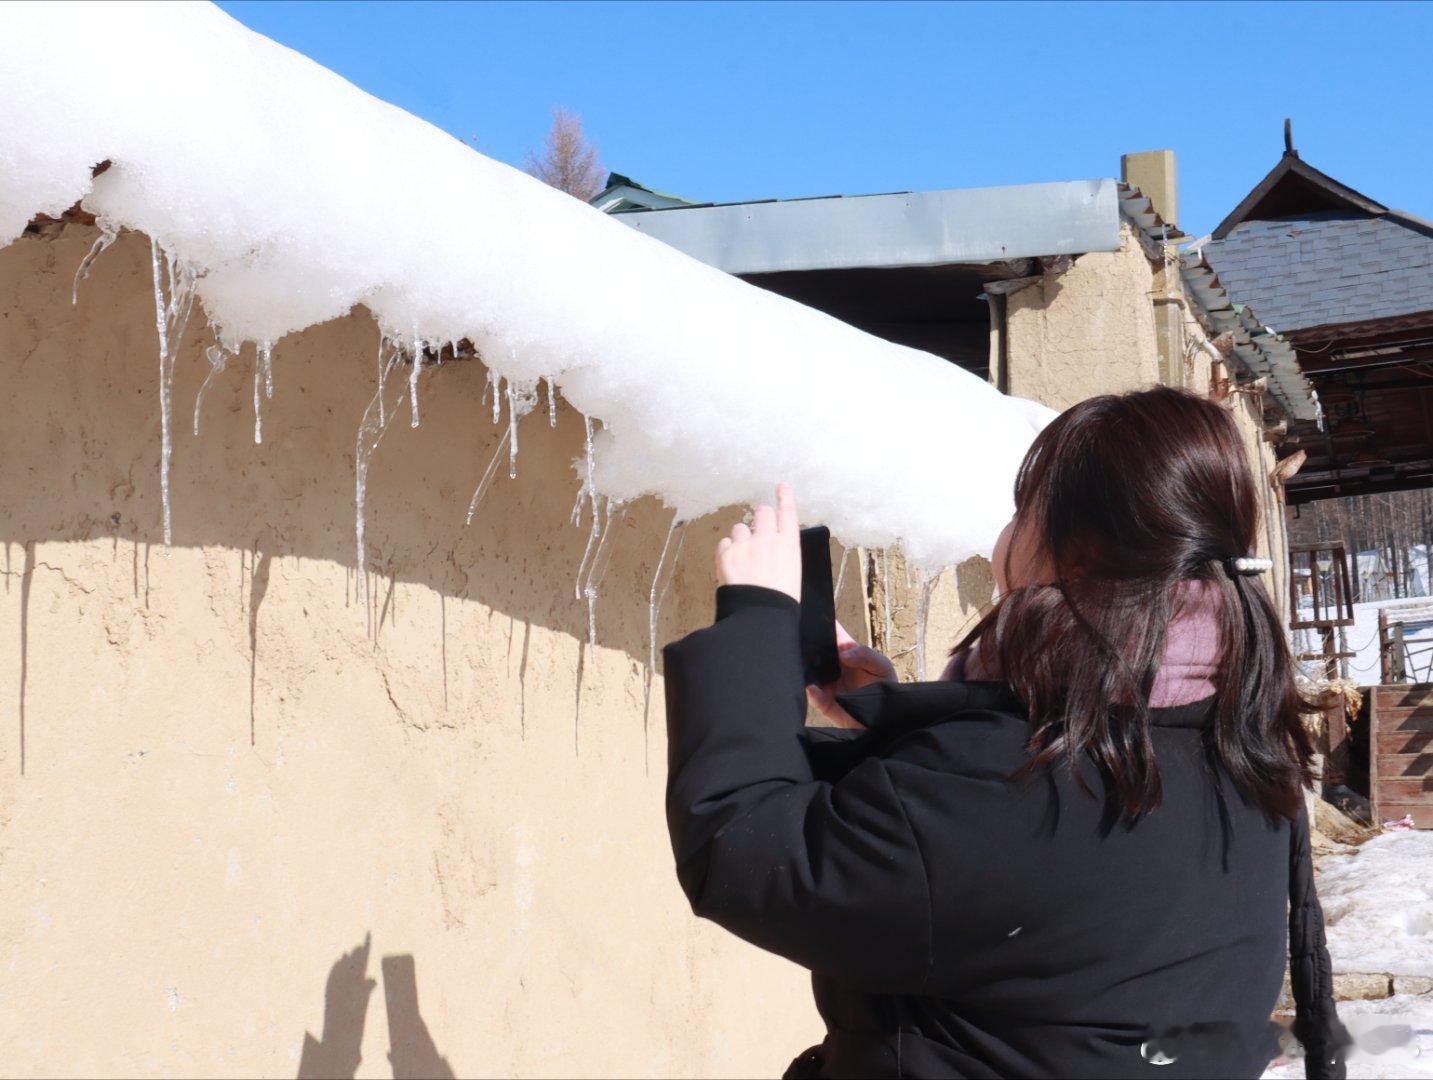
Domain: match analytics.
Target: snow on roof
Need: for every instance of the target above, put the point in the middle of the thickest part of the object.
(277, 196)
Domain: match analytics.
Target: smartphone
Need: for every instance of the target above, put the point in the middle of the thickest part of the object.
(820, 659)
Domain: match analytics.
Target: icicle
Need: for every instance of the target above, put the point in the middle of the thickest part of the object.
(840, 575)
(512, 434)
(587, 551)
(266, 354)
(497, 397)
(589, 456)
(370, 433)
(106, 238)
(661, 582)
(217, 358)
(551, 403)
(382, 374)
(928, 581)
(487, 387)
(258, 405)
(166, 386)
(518, 408)
(576, 516)
(615, 513)
(487, 480)
(413, 382)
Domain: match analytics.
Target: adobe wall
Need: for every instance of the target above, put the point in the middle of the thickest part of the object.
(236, 774)
(245, 795)
(1087, 331)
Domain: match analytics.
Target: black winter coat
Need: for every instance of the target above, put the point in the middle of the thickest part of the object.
(959, 924)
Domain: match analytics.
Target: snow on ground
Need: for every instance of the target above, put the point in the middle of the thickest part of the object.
(1362, 637)
(1378, 903)
(278, 196)
(1401, 1028)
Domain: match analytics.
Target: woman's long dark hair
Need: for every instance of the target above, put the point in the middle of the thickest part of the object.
(1129, 496)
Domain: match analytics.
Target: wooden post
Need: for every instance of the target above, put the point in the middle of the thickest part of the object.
(1385, 664)
(1335, 717)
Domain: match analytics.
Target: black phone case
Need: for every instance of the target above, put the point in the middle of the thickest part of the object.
(820, 659)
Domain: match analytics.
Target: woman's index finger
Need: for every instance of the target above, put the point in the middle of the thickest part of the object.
(786, 519)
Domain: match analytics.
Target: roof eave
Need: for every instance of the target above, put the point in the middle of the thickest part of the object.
(933, 228)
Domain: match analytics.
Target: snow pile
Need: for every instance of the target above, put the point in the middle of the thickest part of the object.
(1378, 903)
(1393, 1039)
(279, 196)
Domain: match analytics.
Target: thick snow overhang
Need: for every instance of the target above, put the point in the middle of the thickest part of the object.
(912, 228)
(1257, 349)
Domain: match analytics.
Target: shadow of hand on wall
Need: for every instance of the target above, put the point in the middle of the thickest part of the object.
(345, 1005)
(412, 1052)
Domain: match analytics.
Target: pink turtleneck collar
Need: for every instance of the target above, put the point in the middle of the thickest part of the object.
(1191, 652)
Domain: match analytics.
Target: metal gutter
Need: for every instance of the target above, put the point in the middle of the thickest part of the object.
(1258, 350)
(930, 228)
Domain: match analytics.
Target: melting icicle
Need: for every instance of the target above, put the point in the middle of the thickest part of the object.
(487, 480)
(551, 402)
(266, 355)
(928, 581)
(592, 535)
(497, 397)
(217, 358)
(512, 434)
(258, 405)
(382, 374)
(413, 382)
(171, 316)
(661, 582)
(166, 386)
(487, 388)
(370, 433)
(106, 238)
(519, 407)
(589, 457)
(263, 373)
(615, 513)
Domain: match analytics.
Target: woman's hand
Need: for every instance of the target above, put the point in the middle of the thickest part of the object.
(860, 666)
(766, 554)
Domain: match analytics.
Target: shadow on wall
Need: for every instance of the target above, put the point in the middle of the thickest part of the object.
(345, 1006)
(337, 1055)
(82, 451)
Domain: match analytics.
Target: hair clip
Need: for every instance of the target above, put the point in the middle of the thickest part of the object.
(1248, 565)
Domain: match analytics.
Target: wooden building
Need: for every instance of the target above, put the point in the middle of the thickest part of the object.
(1348, 282)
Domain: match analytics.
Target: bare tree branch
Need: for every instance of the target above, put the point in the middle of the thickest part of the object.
(568, 161)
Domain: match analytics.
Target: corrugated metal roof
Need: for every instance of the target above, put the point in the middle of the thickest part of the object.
(1257, 349)
(928, 228)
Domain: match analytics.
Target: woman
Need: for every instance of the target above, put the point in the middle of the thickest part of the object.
(1073, 857)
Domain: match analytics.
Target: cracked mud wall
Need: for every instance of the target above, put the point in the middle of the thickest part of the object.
(261, 830)
(1087, 331)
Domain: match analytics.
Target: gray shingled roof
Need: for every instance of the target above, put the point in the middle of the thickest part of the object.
(1327, 267)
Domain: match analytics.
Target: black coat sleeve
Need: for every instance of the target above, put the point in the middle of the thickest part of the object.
(1316, 1022)
(827, 874)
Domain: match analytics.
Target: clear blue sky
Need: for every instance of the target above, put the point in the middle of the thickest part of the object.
(733, 101)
